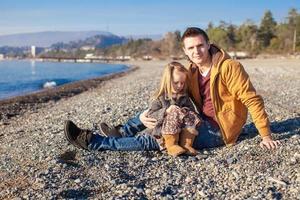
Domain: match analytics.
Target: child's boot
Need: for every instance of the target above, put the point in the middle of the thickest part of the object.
(187, 137)
(171, 143)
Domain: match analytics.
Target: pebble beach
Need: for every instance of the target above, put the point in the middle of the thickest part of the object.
(37, 162)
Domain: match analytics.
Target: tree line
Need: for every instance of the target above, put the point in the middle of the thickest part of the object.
(268, 36)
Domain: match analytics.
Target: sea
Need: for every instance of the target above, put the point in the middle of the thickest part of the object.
(19, 77)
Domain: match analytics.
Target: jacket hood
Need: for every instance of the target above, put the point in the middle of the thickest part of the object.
(218, 55)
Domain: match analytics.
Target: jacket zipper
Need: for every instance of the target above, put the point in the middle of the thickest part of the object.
(217, 106)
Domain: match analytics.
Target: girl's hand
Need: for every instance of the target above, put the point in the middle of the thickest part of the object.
(171, 108)
(269, 143)
(147, 121)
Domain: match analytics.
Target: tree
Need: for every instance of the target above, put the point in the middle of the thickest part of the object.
(267, 29)
(294, 27)
(171, 44)
(224, 35)
(231, 33)
(218, 36)
(247, 37)
(285, 40)
(292, 17)
(298, 33)
(210, 26)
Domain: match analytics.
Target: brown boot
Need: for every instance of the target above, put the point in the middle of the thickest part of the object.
(109, 131)
(171, 143)
(187, 137)
(77, 136)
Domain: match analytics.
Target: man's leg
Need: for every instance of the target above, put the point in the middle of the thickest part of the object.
(129, 129)
(85, 139)
(208, 137)
(137, 143)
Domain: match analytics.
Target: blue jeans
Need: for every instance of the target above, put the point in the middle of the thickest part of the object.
(208, 137)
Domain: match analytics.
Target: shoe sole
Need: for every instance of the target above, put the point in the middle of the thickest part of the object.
(102, 129)
(70, 140)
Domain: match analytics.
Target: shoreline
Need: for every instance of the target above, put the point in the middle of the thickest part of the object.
(18, 105)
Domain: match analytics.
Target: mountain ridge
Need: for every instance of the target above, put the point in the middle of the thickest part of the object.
(47, 38)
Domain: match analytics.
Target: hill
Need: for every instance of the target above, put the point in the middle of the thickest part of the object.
(47, 38)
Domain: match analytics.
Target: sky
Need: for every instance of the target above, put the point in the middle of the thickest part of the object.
(132, 17)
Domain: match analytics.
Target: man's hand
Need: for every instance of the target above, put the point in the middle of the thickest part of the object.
(269, 143)
(148, 122)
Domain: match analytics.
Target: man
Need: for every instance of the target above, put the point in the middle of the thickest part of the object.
(221, 90)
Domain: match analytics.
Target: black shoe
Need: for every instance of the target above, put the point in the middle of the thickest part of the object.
(76, 136)
(108, 131)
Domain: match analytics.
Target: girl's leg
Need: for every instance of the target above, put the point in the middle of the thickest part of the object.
(188, 134)
(170, 132)
(187, 137)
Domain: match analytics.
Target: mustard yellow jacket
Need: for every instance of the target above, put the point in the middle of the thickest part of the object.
(232, 95)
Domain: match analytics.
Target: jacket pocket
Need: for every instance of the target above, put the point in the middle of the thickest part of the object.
(231, 124)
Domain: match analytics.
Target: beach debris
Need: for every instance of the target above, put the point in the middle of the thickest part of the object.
(280, 182)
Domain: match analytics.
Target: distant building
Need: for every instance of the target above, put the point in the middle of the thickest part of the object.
(1, 56)
(47, 49)
(89, 56)
(92, 56)
(33, 51)
(147, 57)
(239, 54)
(87, 48)
(123, 58)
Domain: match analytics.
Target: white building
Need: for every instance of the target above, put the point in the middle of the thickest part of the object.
(1, 56)
(89, 56)
(33, 51)
(238, 54)
(87, 48)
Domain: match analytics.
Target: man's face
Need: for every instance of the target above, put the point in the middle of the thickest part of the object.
(196, 48)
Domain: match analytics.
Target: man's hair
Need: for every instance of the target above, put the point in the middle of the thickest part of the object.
(194, 31)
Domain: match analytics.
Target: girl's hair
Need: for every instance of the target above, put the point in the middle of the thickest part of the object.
(167, 78)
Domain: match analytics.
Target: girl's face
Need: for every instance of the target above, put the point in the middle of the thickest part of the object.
(178, 81)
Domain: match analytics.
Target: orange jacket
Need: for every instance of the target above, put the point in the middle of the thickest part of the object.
(232, 94)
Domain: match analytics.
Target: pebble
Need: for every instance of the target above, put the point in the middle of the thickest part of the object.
(77, 180)
(231, 161)
(148, 192)
(235, 174)
(140, 191)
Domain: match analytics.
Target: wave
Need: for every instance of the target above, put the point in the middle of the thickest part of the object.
(49, 84)
(55, 82)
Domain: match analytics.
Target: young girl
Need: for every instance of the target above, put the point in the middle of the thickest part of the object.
(174, 112)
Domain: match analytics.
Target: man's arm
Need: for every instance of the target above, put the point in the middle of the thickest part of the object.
(239, 85)
(147, 121)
